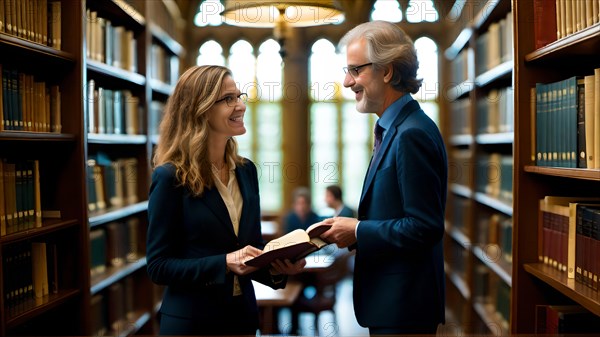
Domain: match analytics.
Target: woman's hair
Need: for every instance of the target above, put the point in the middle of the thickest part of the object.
(388, 44)
(184, 128)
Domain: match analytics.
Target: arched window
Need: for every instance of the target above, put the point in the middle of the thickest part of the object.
(421, 10)
(208, 13)
(387, 10)
(427, 53)
(211, 52)
(340, 136)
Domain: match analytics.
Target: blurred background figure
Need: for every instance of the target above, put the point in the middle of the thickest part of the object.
(334, 199)
(302, 214)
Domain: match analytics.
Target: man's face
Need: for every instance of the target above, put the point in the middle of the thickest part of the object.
(329, 199)
(368, 84)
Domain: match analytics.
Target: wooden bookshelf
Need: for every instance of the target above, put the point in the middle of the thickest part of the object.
(61, 179)
(533, 282)
(141, 21)
(474, 197)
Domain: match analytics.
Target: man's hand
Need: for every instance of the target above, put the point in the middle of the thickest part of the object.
(287, 267)
(235, 260)
(342, 231)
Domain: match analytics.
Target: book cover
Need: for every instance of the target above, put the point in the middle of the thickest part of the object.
(293, 246)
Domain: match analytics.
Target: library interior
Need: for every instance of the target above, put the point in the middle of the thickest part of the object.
(85, 85)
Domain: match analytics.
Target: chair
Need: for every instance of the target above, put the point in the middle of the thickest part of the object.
(324, 283)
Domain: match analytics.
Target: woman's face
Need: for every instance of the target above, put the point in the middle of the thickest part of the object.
(226, 116)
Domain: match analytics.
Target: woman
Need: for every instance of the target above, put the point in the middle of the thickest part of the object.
(204, 212)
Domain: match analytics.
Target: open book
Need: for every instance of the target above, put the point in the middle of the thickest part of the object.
(293, 245)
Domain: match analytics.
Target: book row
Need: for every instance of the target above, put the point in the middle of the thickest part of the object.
(114, 245)
(495, 113)
(557, 19)
(494, 176)
(109, 44)
(568, 237)
(495, 45)
(27, 104)
(37, 21)
(20, 203)
(111, 182)
(30, 272)
(567, 122)
(165, 66)
(112, 111)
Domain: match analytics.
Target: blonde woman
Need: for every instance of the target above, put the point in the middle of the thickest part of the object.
(204, 212)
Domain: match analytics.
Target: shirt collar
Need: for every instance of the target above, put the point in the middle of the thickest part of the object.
(390, 113)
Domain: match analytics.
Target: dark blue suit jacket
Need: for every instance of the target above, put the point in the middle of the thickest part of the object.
(188, 238)
(399, 269)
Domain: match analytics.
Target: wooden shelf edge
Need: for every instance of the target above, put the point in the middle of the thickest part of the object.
(498, 72)
(574, 173)
(572, 40)
(36, 136)
(118, 73)
(485, 13)
(493, 263)
(458, 282)
(36, 48)
(576, 291)
(166, 39)
(114, 274)
(461, 140)
(130, 11)
(496, 324)
(494, 203)
(161, 87)
(96, 138)
(34, 307)
(460, 237)
(132, 324)
(459, 43)
(113, 214)
(495, 138)
(460, 90)
(48, 226)
(461, 190)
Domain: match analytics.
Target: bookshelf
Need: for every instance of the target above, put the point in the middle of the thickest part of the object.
(67, 173)
(31, 66)
(479, 136)
(131, 63)
(536, 283)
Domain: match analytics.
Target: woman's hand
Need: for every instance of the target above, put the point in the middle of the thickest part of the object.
(287, 267)
(235, 260)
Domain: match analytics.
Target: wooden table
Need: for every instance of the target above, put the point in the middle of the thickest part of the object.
(269, 299)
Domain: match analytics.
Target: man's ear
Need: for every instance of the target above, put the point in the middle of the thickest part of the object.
(388, 73)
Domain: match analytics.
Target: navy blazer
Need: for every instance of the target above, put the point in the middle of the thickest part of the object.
(399, 269)
(188, 238)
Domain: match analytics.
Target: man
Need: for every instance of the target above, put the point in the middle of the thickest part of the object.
(333, 199)
(399, 285)
(302, 215)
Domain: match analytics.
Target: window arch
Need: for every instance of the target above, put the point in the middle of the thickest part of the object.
(387, 10)
(208, 13)
(210, 52)
(421, 10)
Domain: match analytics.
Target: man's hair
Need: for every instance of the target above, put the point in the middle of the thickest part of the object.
(336, 191)
(389, 44)
(302, 192)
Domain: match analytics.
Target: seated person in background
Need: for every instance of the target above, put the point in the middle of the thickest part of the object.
(301, 216)
(333, 199)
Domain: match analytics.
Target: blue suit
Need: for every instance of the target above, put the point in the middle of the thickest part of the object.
(399, 269)
(187, 240)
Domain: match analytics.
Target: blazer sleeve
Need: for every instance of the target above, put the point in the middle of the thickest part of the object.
(421, 167)
(164, 238)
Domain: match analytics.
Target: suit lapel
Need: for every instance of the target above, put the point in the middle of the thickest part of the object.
(243, 181)
(390, 135)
